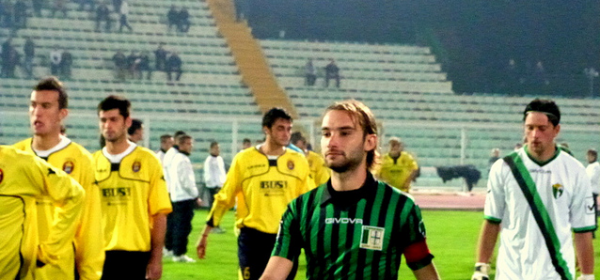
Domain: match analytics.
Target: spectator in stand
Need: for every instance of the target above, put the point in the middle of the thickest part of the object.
(102, 14)
(20, 14)
(6, 46)
(144, 66)
(7, 13)
(82, 4)
(65, 64)
(120, 65)
(117, 5)
(37, 7)
(29, 52)
(332, 72)
(55, 59)
(123, 13)
(61, 6)
(172, 17)
(133, 62)
(311, 73)
(13, 59)
(184, 20)
(160, 55)
(174, 65)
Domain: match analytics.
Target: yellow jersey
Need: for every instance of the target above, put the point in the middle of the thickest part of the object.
(132, 191)
(24, 179)
(263, 188)
(395, 172)
(88, 257)
(318, 170)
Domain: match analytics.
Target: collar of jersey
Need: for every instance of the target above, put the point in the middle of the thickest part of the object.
(367, 191)
(556, 153)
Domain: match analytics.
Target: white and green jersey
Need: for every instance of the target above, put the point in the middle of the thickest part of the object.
(563, 199)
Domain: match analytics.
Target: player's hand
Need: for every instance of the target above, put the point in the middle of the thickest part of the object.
(201, 247)
(154, 270)
(482, 271)
(198, 201)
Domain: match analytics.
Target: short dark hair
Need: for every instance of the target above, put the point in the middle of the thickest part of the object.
(246, 140)
(593, 152)
(272, 115)
(546, 106)
(165, 137)
(296, 136)
(178, 132)
(53, 83)
(115, 102)
(135, 125)
(213, 144)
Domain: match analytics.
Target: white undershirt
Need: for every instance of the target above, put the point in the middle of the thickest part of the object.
(64, 141)
(118, 157)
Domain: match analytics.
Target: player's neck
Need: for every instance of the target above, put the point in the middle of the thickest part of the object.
(349, 180)
(272, 149)
(45, 142)
(544, 156)
(117, 147)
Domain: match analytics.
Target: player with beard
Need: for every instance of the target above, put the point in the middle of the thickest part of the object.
(264, 179)
(135, 200)
(354, 227)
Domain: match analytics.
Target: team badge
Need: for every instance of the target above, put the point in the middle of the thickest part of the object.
(136, 166)
(290, 165)
(68, 167)
(372, 238)
(1, 175)
(557, 190)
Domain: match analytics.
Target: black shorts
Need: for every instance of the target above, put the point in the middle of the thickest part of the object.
(125, 265)
(254, 251)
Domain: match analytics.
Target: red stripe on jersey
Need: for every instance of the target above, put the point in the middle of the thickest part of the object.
(416, 251)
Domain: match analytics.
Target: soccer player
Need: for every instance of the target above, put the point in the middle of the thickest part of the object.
(184, 196)
(135, 201)
(593, 171)
(354, 227)
(398, 168)
(24, 178)
(264, 179)
(166, 142)
(214, 172)
(536, 197)
(47, 110)
(136, 131)
(319, 172)
(246, 143)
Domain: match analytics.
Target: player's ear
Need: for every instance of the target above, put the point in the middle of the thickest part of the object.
(128, 122)
(63, 113)
(370, 142)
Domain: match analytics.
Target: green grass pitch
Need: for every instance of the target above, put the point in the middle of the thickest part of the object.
(451, 236)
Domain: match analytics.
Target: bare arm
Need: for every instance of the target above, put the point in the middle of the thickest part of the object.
(278, 268)
(585, 252)
(427, 273)
(203, 242)
(154, 269)
(410, 178)
(487, 241)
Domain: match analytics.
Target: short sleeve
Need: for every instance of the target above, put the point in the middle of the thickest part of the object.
(582, 210)
(288, 243)
(158, 199)
(494, 200)
(415, 251)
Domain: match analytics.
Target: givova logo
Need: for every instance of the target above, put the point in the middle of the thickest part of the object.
(343, 221)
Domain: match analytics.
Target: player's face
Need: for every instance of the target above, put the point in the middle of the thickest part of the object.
(167, 144)
(45, 117)
(590, 158)
(187, 146)
(395, 148)
(280, 133)
(137, 136)
(113, 125)
(540, 132)
(342, 142)
(215, 150)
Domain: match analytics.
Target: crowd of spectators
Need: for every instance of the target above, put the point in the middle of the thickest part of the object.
(134, 65)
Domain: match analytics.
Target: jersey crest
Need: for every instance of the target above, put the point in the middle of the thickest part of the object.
(136, 166)
(290, 165)
(68, 167)
(557, 190)
(1, 175)
(372, 238)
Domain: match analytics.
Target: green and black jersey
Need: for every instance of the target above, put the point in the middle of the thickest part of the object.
(358, 234)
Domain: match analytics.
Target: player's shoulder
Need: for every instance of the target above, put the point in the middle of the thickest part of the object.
(145, 153)
(394, 192)
(567, 159)
(16, 157)
(23, 145)
(77, 149)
